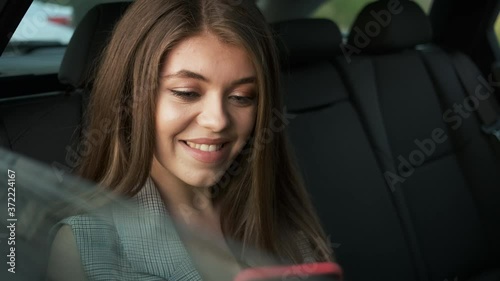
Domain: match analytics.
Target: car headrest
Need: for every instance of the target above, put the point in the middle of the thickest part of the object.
(307, 40)
(390, 25)
(89, 39)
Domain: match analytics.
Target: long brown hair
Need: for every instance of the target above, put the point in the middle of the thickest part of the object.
(262, 196)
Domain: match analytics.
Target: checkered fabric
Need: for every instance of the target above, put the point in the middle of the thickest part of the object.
(137, 241)
(132, 243)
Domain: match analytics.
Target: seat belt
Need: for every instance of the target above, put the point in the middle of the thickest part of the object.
(488, 110)
(468, 74)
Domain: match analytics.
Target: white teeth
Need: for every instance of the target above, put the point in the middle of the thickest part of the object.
(205, 147)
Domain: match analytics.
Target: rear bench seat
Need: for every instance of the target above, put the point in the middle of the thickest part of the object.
(339, 166)
(451, 186)
(41, 127)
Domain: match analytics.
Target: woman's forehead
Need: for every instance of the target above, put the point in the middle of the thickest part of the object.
(206, 55)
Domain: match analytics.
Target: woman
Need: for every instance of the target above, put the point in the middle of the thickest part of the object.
(191, 88)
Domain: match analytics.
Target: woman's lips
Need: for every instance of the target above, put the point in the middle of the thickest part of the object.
(220, 154)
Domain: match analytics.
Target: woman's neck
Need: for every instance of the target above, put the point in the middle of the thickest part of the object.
(186, 204)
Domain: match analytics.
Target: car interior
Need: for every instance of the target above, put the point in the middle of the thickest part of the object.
(395, 124)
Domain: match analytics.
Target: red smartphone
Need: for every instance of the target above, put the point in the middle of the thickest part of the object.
(327, 271)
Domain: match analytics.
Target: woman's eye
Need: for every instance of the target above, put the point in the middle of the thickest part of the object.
(186, 95)
(242, 101)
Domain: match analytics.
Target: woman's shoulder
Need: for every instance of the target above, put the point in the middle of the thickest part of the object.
(90, 231)
(97, 223)
(87, 243)
(138, 236)
(83, 220)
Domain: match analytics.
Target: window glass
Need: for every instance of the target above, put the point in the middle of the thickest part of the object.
(38, 44)
(425, 4)
(344, 12)
(45, 22)
(496, 27)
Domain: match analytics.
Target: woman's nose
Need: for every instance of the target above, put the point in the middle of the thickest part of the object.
(214, 115)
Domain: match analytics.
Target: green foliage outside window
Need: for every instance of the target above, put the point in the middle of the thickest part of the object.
(343, 12)
(497, 28)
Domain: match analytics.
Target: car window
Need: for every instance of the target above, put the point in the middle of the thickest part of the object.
(46, 22)
(38, 44)
(344, 12)
(496, 27)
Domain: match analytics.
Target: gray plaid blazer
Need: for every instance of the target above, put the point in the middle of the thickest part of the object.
(137, 243)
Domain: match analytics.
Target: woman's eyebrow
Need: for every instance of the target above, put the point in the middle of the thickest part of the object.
(246, 80)
(193, 75)
(186, 74)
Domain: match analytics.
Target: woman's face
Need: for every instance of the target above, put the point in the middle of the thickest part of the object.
(206, 110)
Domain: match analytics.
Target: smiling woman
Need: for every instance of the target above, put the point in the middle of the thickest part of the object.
(191, 88)
(205, 113)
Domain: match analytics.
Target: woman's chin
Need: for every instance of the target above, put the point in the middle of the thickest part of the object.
(205, 179)
(202, 183)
